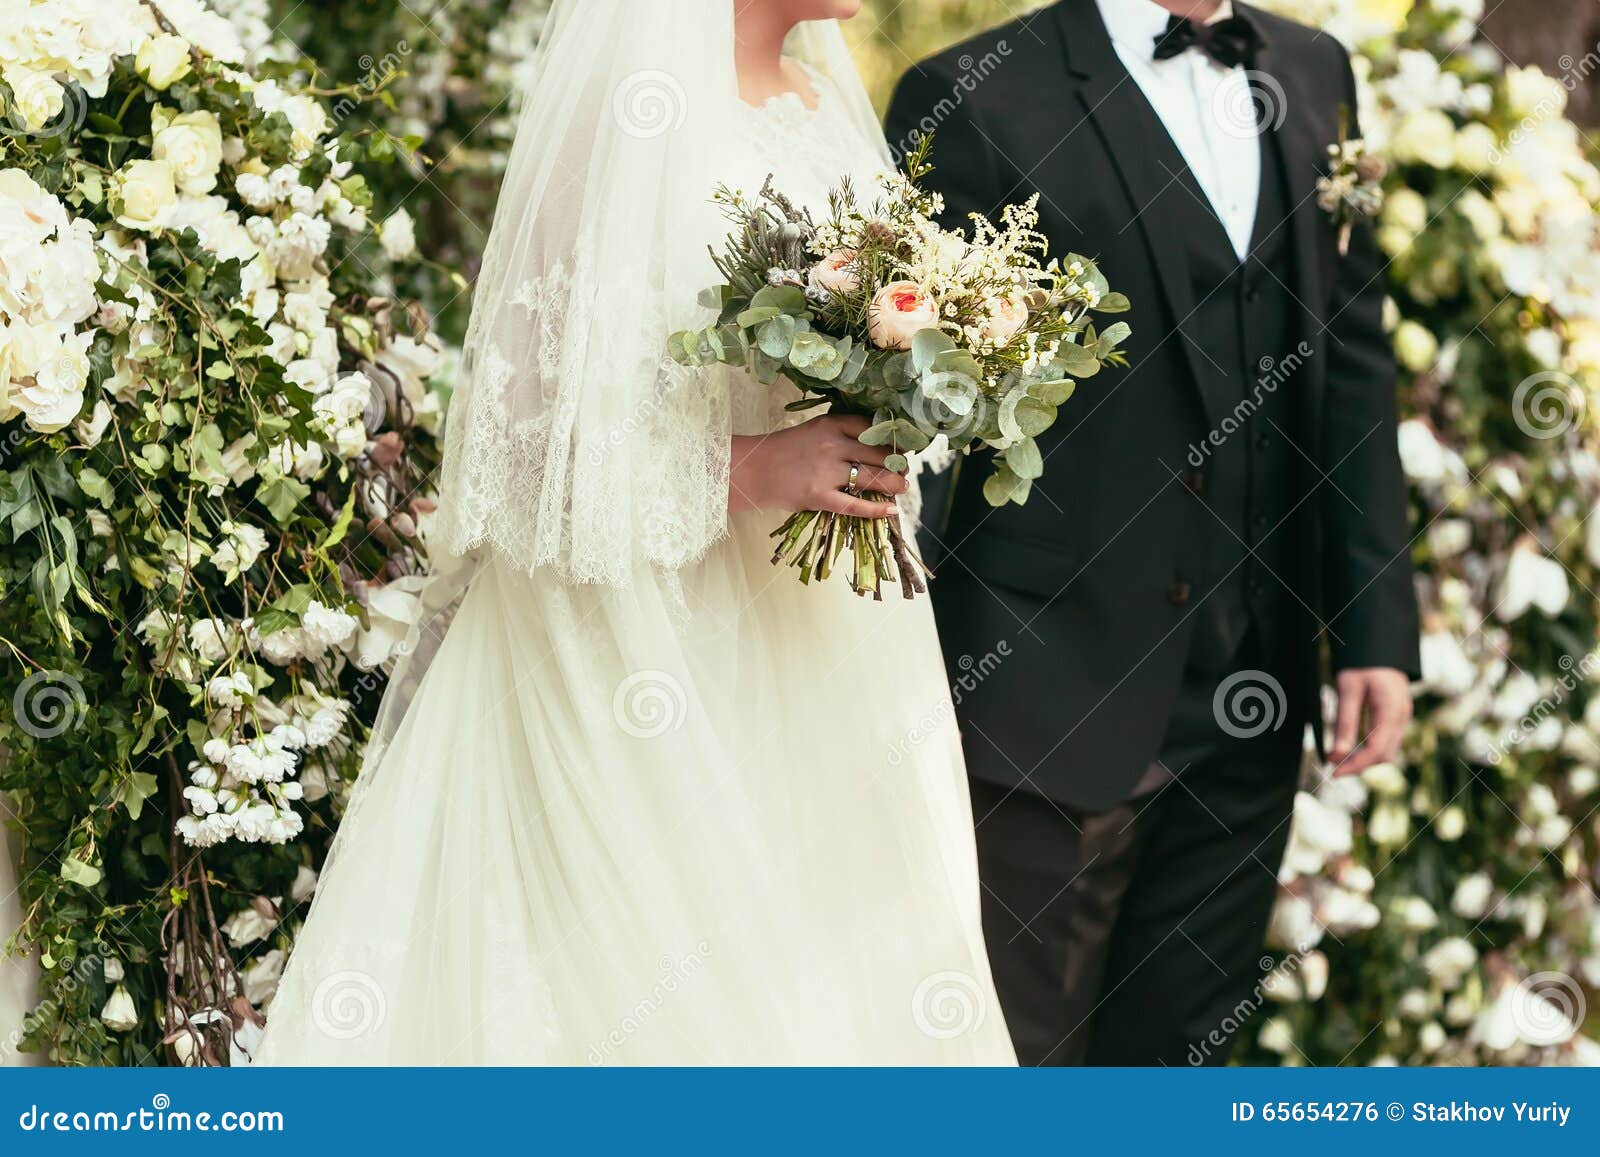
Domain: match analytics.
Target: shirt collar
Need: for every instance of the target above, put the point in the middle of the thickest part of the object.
(1137, 23)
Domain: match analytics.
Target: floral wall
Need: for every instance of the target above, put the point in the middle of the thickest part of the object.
(244, 272)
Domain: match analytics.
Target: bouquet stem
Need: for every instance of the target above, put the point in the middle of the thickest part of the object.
(814, 540)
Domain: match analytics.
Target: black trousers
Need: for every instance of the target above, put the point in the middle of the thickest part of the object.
(1135, 936)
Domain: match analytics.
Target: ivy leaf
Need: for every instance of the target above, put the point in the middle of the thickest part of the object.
(75, 871)
(141, 786)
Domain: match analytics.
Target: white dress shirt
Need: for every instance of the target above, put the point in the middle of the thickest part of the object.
(1208, 110)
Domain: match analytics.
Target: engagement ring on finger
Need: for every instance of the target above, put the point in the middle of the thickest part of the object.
(850, 487)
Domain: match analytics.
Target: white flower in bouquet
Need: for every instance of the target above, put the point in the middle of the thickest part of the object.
(1531, 94)
(1319, 833)
(211, 640)
(231, 690)
(43, 372)
(1448, 962)
(1415, 914)
(397, 236)
(251, 923)
(1531, 580)
(120, 1014)
(1416, 348)
(307, 118)
(238, 548)
(146, 191)
(1343, 911)
(1386, 779)
(1450, 824)
(393, 609)
(1389, 824)
(1425, 137)
(304, 885)
(1445, 665)
(327, 627)
(1294, 925)
(191, 143)
(260, 977)
(1414, 1005)
(163, 60)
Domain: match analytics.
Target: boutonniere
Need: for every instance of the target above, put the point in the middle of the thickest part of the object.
(1353, 189)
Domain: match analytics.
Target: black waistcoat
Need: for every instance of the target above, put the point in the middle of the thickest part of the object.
(1247, 329)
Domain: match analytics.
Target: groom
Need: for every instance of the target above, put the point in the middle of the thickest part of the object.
(1215, 522)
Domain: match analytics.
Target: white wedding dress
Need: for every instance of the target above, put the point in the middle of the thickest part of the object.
(721, 819)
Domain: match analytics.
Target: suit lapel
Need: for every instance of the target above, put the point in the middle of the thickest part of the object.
(1128, 126)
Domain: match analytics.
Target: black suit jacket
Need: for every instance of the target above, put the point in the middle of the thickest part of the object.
(1086, 582)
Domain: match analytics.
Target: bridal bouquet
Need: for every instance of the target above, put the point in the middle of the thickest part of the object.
(879, 311)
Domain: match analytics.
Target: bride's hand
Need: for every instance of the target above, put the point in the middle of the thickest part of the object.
(806, 467)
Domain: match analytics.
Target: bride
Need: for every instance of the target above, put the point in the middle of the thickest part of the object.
(651, 800)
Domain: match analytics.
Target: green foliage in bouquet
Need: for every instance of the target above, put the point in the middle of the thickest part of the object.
(880, 312)
(214, 437)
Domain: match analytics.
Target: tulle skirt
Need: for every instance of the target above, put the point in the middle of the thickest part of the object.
(721, 824)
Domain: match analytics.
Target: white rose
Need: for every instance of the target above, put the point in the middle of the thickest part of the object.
(191, 143)
(147, 190)
(398, 236)
(1480, 214)
(53, 398)
(163, 61)
(1416, 348)
(1531, 93)
(1476, 148)
(1425, 137)
(899, 311)
(37, 96)
(1406, 209)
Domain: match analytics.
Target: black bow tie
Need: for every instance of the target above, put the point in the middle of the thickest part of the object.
(1229, 42)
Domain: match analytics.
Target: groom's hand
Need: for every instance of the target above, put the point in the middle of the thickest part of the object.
(1381, 696)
